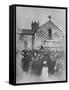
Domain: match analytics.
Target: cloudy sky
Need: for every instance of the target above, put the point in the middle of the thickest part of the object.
(25, 15)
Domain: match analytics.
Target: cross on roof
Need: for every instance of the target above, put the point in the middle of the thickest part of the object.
(49, 17)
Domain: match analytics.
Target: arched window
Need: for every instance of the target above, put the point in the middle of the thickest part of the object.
(25, 44)
(50, 33)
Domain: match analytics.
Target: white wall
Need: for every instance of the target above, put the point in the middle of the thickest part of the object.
(4, 44)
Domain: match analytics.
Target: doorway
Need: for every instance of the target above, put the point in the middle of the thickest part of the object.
(25, 44)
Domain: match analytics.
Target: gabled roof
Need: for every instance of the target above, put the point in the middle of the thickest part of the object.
(49, 24)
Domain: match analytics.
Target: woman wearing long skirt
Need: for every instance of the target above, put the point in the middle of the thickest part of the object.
(45, 71)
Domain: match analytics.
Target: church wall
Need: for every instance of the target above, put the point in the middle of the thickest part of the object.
(56, 41)
(20, 43)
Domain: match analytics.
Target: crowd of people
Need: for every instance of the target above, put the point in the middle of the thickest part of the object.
(37, 59)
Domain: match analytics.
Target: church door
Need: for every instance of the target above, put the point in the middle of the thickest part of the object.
(25, 44)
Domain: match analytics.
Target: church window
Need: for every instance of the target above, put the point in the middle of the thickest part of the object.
(50, 33)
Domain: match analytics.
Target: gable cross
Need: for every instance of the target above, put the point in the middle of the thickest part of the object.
(49, 17)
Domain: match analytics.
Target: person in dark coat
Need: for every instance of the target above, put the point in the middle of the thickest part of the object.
(37, 65)
(51, 66)
(26, 61)
(41, 48)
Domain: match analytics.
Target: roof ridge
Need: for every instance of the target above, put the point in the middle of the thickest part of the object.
(44, 24)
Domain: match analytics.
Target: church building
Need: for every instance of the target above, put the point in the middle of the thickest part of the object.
(48, 35)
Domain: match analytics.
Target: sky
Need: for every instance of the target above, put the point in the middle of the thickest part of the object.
(25, 15)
